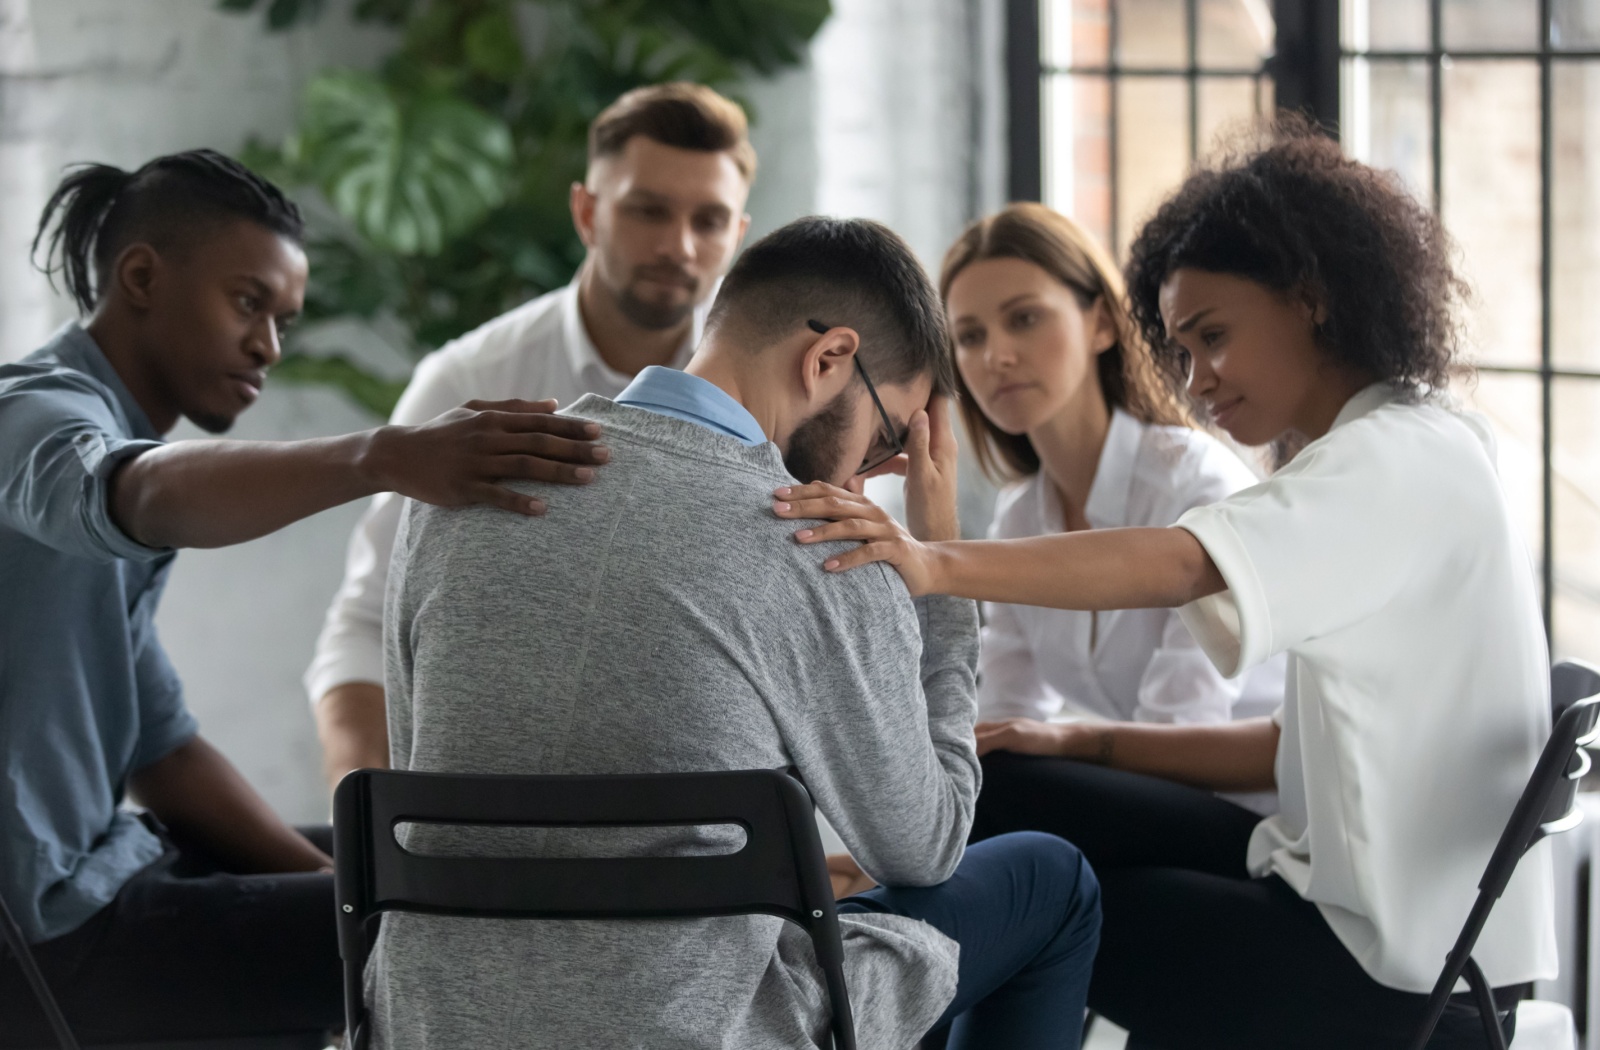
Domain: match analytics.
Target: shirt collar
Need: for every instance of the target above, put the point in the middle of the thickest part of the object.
(76, 348)
(1107, 506)
(585, 357)
(670, 392)
(1366, 400)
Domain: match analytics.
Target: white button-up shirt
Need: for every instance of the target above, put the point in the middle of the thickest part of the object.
(1384, 561)
(1132, 664)
(539, 350)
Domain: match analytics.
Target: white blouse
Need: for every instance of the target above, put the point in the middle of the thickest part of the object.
(1133, 664)
(1384, 561)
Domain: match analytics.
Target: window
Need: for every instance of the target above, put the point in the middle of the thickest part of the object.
(1488, 109)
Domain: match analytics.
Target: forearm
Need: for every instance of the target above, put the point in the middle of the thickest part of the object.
(352, 724)
(199, 794)
(1233, 756)
(1094, 570)
(212, 493)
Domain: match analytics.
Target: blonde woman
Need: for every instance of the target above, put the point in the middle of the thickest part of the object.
(1086, 435)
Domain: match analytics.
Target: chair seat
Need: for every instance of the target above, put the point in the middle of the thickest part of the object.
(1544, 1026)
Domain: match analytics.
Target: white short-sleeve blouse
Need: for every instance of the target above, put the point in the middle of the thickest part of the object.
(1383, 560)
(1131, 664)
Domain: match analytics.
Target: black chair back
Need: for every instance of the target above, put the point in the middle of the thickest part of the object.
(1548, 806)
(780, 870)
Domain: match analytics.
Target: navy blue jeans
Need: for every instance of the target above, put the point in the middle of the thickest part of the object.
(1025, 908)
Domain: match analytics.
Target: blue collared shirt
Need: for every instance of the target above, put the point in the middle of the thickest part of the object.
(87, 696)
(678, 394)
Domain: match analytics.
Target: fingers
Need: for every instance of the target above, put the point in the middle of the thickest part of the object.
(941, 428)
(544, 405)
(534, 468)
(815, 490)
(917, 438)
(540, 423)
(866, 554)
(548, 446)
(832, 508)
(848, 529)
(507, 499)
(995, 736)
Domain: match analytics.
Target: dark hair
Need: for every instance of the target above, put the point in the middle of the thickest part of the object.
(1067, 252)
(681, 114)
(851, 273)
(1290, 211)
(98, 210)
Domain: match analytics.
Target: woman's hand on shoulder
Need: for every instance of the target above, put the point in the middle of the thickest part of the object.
(929, 467)
(851, 516)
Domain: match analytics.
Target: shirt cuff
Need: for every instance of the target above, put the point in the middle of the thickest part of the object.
(100, 458)
(1233, 627)
(162, 739)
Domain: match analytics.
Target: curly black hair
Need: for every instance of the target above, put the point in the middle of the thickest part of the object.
(1289, 210)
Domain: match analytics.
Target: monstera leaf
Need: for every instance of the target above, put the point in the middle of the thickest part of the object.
(767, 34)
(409, 169)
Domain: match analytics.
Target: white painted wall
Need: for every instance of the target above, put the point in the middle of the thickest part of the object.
(881, 124)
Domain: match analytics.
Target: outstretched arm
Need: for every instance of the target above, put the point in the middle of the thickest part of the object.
(1097, 569)
(212, 493)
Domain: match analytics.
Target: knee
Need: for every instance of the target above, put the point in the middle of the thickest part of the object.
(1060, 876)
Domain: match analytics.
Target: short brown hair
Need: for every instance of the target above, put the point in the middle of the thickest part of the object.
(680, 114)
(1128, 375)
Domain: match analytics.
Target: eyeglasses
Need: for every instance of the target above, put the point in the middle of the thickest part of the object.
(896, 445)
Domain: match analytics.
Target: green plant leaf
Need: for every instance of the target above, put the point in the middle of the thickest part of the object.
(373, 393)
(765, 34)
(491, 45)
(409, 170)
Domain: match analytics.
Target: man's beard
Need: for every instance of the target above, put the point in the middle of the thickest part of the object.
(814, 446)
(651, 316)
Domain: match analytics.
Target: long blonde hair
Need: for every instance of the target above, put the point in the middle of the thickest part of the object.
(1060, 247)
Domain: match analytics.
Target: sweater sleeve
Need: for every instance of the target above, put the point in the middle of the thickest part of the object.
(880, 728)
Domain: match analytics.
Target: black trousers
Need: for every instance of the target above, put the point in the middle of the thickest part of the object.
(1195, 954)
(189, 951)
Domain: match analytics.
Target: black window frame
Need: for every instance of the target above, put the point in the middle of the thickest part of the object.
(1309, 59)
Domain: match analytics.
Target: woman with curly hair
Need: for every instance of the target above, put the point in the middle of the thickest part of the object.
(1301, 296)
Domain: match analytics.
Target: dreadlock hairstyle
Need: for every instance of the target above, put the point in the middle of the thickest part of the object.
(98, 210)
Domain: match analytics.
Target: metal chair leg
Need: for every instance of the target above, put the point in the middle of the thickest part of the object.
(1486, 1005)
(30, 969)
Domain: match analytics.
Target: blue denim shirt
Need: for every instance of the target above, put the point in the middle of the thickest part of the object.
(87, 696)
(669, 392)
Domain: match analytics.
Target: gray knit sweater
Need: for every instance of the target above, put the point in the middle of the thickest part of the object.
(662, 619)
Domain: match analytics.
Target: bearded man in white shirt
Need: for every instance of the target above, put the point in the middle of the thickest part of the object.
(661, 212)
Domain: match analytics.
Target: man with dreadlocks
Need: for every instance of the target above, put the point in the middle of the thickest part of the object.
(206, 916)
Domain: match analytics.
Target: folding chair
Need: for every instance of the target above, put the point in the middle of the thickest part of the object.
(11, 936)
(780, 871)
(1548, 806)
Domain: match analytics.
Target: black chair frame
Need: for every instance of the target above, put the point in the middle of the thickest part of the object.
(780, 870)
(1548, 806)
